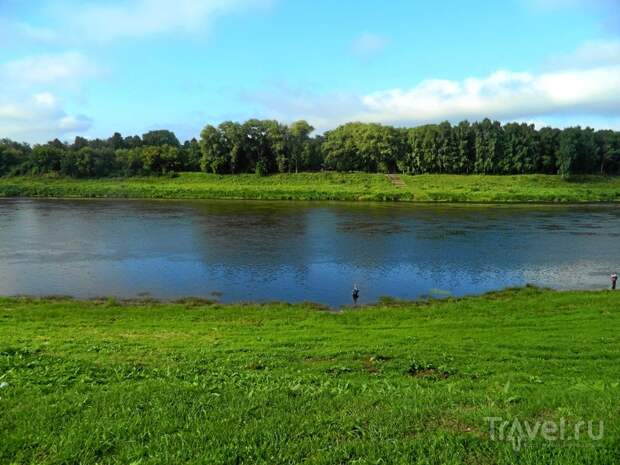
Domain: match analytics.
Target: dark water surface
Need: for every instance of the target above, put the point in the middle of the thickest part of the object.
(299, 251)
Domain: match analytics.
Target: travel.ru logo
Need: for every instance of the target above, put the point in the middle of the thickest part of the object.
(520, 433)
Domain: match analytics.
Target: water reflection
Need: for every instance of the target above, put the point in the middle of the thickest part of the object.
(298, 251)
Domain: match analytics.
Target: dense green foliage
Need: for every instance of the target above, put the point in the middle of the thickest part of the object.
(155, 153)
(267, 146)
(327, 186)
(108, 382)
(260, 147)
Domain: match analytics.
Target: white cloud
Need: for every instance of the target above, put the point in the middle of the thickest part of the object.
(502, 95)
(368, 45)
(590, 54)
(30, 106)
(45, 99)
(17, 33)
(286, 103)
(66, 69)
(76, 22)
(38, 118)
(608, 10)
(592, 93)
(36, 91)
(134, 19)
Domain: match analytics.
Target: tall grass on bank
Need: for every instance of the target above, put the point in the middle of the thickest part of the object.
(327, 186)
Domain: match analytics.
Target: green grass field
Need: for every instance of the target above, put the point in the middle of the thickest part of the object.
(326, 186)
(146, 383)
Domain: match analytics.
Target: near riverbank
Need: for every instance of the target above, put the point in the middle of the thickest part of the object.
(327, 186)
(108, 382)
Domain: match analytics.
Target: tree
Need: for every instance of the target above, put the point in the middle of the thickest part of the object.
(192, 155)
(412, 160)
(609, 146)
(447, 152)
(465, 146)
(267, 146)
(44, 159)
(279, 142)
(87, 163)
(300, 145)
(340, 149)
(313, 159)
(489, 146)
(116, 142)
(132, 142)
(215, 150)
(381, 147)
(234, 138)
(79, 143)
(568, 152)
(161, 159)
(56, 143)
(258, 150)
(430, 149)
(160, 138)
(10, 157)
(129, 162)
(589, 156)
(363, 147)
(549, 145)
(521, 149)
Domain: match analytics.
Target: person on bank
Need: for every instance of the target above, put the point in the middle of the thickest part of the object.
(614, 281)
(355, 293)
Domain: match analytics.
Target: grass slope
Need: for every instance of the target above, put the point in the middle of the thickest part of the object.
(103, 382)
(326, 186)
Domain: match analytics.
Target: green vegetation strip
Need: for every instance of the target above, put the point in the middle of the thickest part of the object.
(327, 186)
(191, 382)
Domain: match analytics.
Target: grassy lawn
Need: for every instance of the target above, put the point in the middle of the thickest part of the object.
(327, 186)
(145, 383)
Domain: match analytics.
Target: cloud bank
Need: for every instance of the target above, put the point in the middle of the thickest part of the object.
(38, 117)
(609, 10)
(35, 90)
(137, 19)
(590, 88)
(30, 108)
(502, 95)
(67, 69)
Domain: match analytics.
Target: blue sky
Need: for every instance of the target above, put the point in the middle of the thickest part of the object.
(94, 67)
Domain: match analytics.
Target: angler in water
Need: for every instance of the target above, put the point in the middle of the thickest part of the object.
(355, 294)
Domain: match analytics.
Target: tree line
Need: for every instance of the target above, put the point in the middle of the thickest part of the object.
(266, 146)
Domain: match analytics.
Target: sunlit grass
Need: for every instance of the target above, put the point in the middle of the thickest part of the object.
(326, 186)
(109, 382)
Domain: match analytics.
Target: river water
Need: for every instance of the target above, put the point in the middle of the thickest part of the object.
(263, 251)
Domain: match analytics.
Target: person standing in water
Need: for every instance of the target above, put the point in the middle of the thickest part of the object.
(355, 293)
(614, 280)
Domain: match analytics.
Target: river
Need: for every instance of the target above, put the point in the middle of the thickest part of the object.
(265, 251)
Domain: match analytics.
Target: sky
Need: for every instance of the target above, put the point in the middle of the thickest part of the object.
(92, 68)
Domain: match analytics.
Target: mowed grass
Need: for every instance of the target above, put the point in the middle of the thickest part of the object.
(327, 186)
(147, 383)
